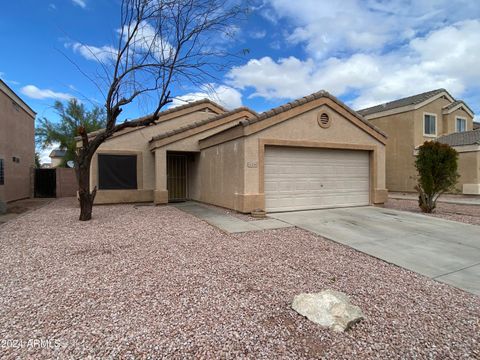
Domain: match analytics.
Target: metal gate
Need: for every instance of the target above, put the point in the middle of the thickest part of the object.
(177, 177)
(45, 184)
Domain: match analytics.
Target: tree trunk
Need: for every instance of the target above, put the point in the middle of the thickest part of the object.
(86, 198)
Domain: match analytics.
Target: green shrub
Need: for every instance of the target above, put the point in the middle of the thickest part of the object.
(437, 166)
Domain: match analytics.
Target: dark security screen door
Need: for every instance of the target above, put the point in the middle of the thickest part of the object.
(45, 183)
(117, 172)
(177, 177)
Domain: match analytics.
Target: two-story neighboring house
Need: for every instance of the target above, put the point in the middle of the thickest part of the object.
(17, 145)
(411, 121)
(56, 157)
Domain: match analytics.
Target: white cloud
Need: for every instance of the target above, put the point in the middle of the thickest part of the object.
(290, 77)
(43, 153)
(89, 52)
(147, 39)
(258, 34)
(81, 3)
(368, 26)
(35, 93)
(447, 57)
(221, 94)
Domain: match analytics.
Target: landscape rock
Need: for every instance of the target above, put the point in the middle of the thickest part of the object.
(328, 308)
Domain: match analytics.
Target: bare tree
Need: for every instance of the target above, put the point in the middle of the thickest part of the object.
(161, 42)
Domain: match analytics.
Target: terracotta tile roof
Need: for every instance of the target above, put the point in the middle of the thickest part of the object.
(304, 100)
(410, 100)
(471, 137)
(200, 123)
(167, 112)
(189, 105)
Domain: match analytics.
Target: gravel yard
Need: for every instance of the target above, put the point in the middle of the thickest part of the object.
(469, 214)
(156, 281)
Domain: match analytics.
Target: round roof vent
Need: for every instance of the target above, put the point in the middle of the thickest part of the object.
(324, 120)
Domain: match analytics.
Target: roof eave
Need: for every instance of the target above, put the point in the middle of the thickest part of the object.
(406, 108)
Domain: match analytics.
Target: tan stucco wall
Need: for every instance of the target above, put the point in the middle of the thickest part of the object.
(405, 132)
(66, 182)
(400, 170)
(220, 175)
(137, 142)
(55, 162)
(16, 139)
(244, 174)
(201, 171)
(469, 170)
(450, 121)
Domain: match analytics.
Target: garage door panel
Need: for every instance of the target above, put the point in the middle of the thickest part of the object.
(304, 178)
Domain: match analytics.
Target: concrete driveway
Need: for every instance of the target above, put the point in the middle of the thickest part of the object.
(444, 250)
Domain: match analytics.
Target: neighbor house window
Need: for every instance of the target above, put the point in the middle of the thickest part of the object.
(117, 172)
(429, 124)
(461, 124)
(2, 173)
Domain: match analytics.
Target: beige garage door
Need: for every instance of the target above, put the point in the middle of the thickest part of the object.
(306, 178)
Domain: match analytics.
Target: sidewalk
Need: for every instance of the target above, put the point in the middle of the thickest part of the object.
(228, 223)
(448, 198)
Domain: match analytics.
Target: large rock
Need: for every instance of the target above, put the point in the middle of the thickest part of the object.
(328, 308)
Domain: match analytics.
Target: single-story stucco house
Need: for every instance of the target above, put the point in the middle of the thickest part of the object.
(311, 153)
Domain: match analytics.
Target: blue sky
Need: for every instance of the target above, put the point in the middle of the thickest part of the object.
(365, 52)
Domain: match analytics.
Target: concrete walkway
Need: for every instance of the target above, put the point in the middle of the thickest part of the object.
(228, 223)
(449, 199)
(444, 250)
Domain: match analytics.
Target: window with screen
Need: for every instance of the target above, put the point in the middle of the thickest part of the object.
(461, 125)
(117, 172)
(2, 173)
(430, 125)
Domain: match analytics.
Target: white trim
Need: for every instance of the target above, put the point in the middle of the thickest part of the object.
(467, 148)
(436, 123)
(456, 124)
(409, 107)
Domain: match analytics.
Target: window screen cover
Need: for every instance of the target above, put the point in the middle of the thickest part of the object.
(116, 172)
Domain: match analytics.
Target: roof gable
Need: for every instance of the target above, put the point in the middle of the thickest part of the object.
(17, 99)
(458, 104)
(307, 99)
(200, 126)
(405, 104)
(299, 106)
(171, 114)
